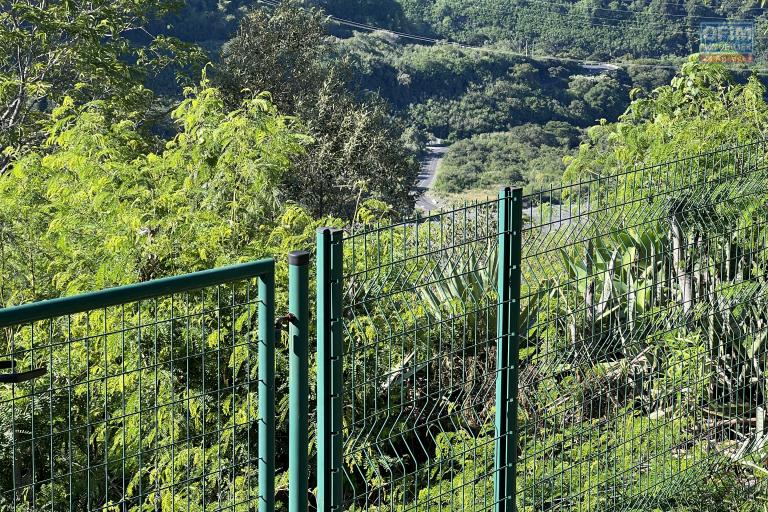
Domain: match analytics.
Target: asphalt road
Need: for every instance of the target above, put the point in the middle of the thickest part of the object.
(424, 200)
(554, 218)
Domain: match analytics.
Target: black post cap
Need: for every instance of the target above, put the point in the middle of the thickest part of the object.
(298, 258)
(329, 229)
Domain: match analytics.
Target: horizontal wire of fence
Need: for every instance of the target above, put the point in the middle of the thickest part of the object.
(155, 396)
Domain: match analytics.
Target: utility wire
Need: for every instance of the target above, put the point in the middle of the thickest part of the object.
(643, 13)
(503, 51)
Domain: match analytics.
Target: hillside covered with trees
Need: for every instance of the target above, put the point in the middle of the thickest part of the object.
(528, 73)
(598, 30)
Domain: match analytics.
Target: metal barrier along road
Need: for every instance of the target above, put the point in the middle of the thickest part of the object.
(155, 396)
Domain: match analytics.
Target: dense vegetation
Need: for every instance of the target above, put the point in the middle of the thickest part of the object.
(453, 93)
(643, 345)
(98, 189)
(358, 150)
(50, 52)
(292, 129)
(703, 108)
(529, 155)
(598, 30)
(98, 207)
(484, 101)
(441, 90)
(447, 92)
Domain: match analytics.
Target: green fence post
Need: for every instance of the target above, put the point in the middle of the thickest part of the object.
(329, 369)
(267, 392)
(507, 326)
(298, 400)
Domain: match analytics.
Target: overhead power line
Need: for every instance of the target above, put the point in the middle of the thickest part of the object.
(503, 51)
(643, 13)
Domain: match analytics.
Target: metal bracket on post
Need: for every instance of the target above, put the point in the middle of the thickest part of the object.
(298, 399)
(329, 369)
(507, 325)
(282, 323)
(19, 377)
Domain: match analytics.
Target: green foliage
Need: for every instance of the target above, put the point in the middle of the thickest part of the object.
(383, 13)
(97, 207)
(121, 417)
(359, 151)
(208, 23)
(530, 156)
(101, 204)
(454, 93)
(596, 30)
(50, 51)
(422, 415)
(702, 109)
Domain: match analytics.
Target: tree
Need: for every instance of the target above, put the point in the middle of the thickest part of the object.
(386, 13)
(50, 50)
(701, 110)
(527, 155)
(359, 150)
(97, 207)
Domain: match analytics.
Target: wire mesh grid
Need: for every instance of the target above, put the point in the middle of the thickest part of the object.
(419, 323)
(146, 405)
(643, 322)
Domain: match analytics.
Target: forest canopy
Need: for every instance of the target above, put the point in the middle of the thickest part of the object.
(529, 156)
(98, 207)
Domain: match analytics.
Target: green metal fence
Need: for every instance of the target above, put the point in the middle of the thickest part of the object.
(615, 361)
(407, 355)
(156, 396)
(643, 352)
(598, 346)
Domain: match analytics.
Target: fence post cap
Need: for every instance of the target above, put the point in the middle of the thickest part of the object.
(298, 258)
(329, 229)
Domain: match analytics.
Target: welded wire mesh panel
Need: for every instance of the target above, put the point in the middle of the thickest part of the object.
(644, 326)
(419, 363)
(147, 405)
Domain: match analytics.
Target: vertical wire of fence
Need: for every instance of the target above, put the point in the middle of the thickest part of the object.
(643, 351)
(155, 396)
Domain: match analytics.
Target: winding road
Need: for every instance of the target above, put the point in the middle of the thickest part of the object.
(425, 200)
(436, 152)
(551, 219)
